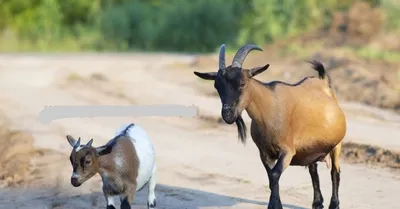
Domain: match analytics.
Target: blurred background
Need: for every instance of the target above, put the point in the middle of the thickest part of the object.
(366, 30)
(124, 52)
(192, 26)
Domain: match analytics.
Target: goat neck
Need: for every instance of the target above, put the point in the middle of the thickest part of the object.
(261, 104)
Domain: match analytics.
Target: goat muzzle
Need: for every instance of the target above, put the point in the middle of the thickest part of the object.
(228, 115)
(75, 182)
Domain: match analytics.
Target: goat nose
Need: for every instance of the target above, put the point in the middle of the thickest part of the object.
(227, 113)
(74, 181)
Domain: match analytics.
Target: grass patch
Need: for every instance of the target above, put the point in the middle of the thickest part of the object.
(16, 45)
(375, 54)
(74, 77)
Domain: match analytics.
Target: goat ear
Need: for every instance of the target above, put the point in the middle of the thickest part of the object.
(257, 70)
(89, 143)
(206, 76)
(72, 141)
(103, 150)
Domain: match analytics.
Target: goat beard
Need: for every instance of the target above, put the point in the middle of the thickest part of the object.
(241, 126)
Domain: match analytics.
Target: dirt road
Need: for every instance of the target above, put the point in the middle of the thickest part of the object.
(201, 164)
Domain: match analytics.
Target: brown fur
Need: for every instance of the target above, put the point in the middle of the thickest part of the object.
(305, 120)
(120, 179)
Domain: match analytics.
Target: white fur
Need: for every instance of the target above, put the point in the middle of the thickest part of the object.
(152, 186)
(75, 175)
(79, 148)
(111, 200)
(146, 154)
(119, 160)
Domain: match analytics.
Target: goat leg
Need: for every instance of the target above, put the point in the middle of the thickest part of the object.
(318, 199)
(274, 175)
(335, 176)
(128, 198)
(110, 199)
(151, 202)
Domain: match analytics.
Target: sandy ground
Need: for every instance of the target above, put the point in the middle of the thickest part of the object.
(201, 164)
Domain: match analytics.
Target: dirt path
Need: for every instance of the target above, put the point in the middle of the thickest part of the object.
(200, 162)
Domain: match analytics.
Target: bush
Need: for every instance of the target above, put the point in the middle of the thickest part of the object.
(41, 23)
(197, 26)
(175, 25)
(130, 25)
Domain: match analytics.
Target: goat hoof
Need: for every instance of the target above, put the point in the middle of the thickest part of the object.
(317, 205)
(334, 204)
(276, 205)
(125, 204)
(152, 205)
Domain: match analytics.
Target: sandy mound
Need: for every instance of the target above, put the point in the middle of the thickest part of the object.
(358, 25)
(367, 154)
(16, 151)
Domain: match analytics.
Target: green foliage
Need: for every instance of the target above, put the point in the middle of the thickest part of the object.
(40, 24)
(174, 25)
(392, 8)
(75, 12)
(129, 25)
(179, 25)
(376, 54)
(196, 25)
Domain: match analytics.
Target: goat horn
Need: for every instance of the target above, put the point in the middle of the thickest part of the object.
(222, 57)
(89, 143)
(242, 53)
(78, 143)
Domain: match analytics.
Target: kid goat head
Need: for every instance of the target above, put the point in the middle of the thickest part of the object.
(85, 160)
(231, 83)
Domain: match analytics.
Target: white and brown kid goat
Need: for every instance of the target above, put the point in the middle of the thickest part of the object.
(292, 124)
(126, 164)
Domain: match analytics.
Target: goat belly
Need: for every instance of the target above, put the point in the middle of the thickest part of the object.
(303, 160)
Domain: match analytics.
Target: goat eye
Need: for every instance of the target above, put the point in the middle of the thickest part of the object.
(87, 162)
(242, 85)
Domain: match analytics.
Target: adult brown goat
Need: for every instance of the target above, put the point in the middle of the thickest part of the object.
(291, 124)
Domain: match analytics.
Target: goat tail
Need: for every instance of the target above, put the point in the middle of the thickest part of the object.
(322, 73)
(242, 130)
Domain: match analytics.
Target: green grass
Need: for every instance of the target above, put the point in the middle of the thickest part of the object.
(15, 45)
(375, 54)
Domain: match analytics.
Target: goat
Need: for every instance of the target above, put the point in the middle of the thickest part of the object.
(126, 164)
(291, 124)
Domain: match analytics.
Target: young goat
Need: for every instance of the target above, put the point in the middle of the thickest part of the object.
(292, 124)
(126, 164)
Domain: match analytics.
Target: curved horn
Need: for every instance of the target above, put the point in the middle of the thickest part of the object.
(222, 57)
(242, 53)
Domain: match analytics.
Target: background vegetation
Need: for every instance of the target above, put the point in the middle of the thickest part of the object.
(156, 25)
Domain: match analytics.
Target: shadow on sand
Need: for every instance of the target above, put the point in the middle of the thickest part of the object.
(168, 197)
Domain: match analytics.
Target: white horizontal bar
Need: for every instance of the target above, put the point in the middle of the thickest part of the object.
(50, 113)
